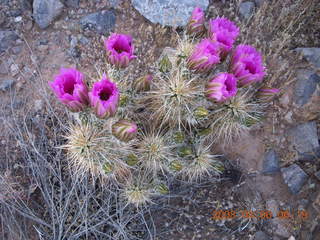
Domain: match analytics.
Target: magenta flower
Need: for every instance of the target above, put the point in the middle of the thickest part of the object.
(196, 22)
(70, 89)
(224, 32)
(222, 87)
(104, 98)
(119, 49)
(204, 56)
(267, 92)
(246, 65)
(124, 130)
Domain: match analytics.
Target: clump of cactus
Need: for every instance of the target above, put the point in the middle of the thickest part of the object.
(206, 92)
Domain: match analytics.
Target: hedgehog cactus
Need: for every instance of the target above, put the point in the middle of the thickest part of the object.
(184, 103)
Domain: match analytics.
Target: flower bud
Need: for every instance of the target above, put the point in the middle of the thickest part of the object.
(143, 83)
(124, 130)
(132, 159)
(178, 137)
(165, 64)
(196, 22)
(201, 112)
(267, 92)
(176, 166)
(162, 189)
(107, 168)
(185, 151)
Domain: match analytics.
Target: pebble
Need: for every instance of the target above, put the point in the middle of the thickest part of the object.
(16, 50)
(7, 40)
(18, 19)
(261, 236)
(3, 68)
(246, 9)
(305, 86)
(311, 54)
(45, 11)
(14, 69)
(270, 162)
(294, 177)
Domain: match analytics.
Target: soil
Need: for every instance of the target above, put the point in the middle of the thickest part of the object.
(187, 215)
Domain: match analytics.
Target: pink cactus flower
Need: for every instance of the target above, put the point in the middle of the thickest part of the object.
(246, 65)
(267, 92)
(222, 87)
(119, 49)
(70, 89)
(104, 98)
(196, 22)
(124, 130)
(204, 56)
(224, 32)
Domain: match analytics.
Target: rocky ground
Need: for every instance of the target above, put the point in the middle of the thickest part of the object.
(276, 167)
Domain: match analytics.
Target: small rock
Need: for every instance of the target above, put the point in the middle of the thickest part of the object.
(45, 11)
(16, 50)
(102, 22)
(288, 117)
(168, 12)
(6, 84)
(38, 105)
(7, 40)
(270, 162)
(304, 137)
(18, 19)
(292, 238)
(14, 69)
(317, 174)
(246, 9)
(305, 86)
(72, 3)
(28, 25)
(261, 236)
(26, 5)
(3, 68)
(311, 54)
(294, 177)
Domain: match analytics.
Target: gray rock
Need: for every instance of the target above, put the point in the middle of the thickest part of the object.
(168, 12)
(26, 5)
(246, 9)
(294, 177)
(3, 68)
(102, 22)
(7, 40)
(311, 54)
(261, 236)
(72, 3)
(304, 137)
(270, 162)
(317, 174)
(305, 86)
(6, 84)
(45, 11)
